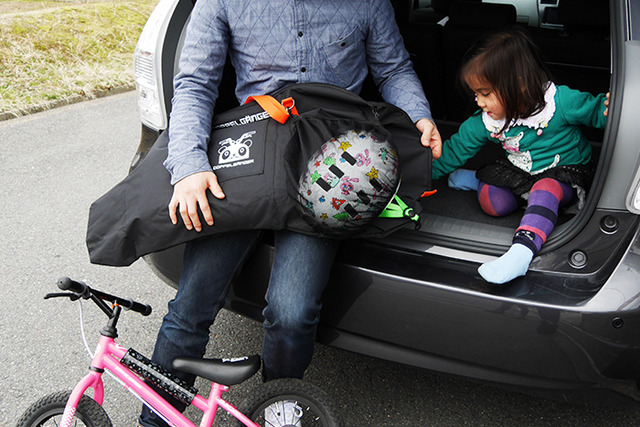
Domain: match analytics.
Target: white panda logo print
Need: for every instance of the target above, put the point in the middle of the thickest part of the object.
(233, 150)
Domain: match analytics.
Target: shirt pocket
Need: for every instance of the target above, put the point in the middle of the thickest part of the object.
(346, 57)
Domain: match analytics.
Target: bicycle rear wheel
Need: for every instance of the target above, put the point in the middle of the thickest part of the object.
(314, 405)
(47, 412)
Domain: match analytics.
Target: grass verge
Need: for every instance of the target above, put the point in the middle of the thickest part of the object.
(53, 52)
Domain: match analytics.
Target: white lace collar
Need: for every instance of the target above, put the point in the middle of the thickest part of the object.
(538, 121)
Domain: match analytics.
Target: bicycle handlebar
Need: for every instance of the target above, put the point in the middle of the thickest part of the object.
(84, 291)
(66, 284)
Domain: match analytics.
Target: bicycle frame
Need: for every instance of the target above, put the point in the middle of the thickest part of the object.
(108, 355)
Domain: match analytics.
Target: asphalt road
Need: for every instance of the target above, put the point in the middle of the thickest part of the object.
(54, 164)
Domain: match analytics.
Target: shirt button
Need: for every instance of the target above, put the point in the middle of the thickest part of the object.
(303, 69)
(300, 34)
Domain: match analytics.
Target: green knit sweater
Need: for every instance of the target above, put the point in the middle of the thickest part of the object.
(547, 139)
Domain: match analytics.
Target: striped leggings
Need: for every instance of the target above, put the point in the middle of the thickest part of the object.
(541, 215)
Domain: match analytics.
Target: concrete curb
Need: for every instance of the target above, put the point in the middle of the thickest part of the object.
(7, 115)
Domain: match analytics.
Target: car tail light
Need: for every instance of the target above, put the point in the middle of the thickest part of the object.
(633, 199)
(148, 66)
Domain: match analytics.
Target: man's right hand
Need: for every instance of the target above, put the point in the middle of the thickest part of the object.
(191, 192)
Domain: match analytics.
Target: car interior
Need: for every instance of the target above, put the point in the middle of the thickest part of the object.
(573, 36)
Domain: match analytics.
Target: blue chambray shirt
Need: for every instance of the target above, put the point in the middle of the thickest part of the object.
(275, 43)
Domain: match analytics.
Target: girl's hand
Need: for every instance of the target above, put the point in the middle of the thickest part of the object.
(430, 136)
(606, 104)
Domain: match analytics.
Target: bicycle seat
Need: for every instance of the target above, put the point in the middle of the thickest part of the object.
(222, 371)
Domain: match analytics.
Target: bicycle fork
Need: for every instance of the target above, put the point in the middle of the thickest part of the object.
(92, 380)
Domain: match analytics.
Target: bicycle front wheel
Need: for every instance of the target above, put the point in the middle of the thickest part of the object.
(47, 412)
(311, 406)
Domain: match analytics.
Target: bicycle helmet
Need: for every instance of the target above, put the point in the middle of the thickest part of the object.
(349, 181)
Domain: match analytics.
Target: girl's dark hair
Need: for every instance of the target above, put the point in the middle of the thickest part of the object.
(513, 66)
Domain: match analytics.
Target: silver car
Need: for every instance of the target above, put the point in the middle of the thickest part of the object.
(572, 324)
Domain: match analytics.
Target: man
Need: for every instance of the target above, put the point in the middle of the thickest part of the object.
(271, 44)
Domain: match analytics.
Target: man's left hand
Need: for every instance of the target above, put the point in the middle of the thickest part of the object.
(430, 136)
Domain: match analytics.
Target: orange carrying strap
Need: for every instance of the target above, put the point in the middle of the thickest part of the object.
(277, 111)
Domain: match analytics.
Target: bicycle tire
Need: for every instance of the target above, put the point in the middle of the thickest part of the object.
(317, 407)
(48, 411)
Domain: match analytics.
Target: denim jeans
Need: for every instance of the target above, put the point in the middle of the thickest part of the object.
(298, 278)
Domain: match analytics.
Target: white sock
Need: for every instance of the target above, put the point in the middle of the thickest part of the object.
(514, 263)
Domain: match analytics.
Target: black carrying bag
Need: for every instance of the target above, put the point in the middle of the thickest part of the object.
(257, 161)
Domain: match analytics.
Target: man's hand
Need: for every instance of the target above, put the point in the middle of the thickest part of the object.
(606, 104)
(191, 192)
(430, 136)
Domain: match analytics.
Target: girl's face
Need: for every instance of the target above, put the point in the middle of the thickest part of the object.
(487, 98)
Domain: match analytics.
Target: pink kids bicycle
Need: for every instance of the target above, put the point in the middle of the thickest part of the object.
(285, 402)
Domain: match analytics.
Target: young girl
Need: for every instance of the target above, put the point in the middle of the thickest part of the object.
(538, 124)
